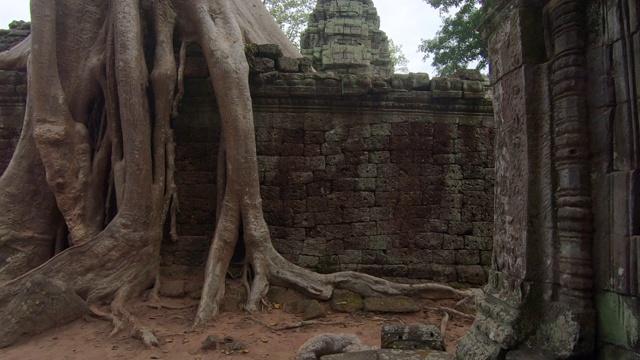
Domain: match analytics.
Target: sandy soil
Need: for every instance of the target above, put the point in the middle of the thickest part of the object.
(242, 336)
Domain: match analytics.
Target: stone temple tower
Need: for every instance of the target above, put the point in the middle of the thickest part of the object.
(344, 36)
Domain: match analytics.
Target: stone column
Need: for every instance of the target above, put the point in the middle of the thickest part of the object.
(538, 299)
(572, 168)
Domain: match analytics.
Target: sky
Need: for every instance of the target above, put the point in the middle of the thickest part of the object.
(406, 22)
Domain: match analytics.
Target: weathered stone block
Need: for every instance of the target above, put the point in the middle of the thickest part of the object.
(373, 257)
(313, 310)
(262, 65)
(473, 90)
(380, 242)
(444, 88)
(306, 261)
(314, 246)
(437, 272)
(368, 184)
(346, 301)
(471, 274)
(306, 65)
(429, 241)
(271, 51)
(468, 257)
(290, 300)
(412, 337)
(287, 64)
(351, 257)
(357, 243)
(477, 243)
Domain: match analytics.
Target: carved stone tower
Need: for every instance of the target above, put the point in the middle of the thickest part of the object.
(344, 36)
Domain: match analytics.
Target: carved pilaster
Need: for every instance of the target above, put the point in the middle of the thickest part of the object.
(574, 237)
(571, 156)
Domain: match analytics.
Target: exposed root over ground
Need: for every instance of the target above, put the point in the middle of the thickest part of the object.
(88, 337)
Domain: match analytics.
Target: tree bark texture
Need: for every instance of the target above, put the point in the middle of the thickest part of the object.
(92, 174)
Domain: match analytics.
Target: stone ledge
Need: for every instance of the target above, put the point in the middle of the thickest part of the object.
(267, 79)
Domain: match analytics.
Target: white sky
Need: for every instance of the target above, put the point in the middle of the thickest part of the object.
(404, 21)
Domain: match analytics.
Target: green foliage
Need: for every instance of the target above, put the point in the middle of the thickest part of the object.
(400, 61)
(291, 15)
(458, 42)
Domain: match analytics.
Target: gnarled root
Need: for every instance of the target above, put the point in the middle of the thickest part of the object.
(122, 319)
(269, 267)
(278, 271)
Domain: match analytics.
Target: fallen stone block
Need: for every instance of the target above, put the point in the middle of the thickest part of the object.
(313, 310)
(210, 343)
(412, 337)
(346, 301)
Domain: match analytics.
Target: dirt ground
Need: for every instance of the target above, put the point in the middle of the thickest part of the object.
(242, 336)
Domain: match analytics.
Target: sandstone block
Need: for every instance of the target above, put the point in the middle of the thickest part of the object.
(346, 301)
(412, 337)
(262, 65)
(471, 274)
(271, 51)
(313, 310)
(287, 64)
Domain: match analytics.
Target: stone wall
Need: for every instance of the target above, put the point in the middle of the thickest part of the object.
(613, 59)
(357, 173)
(390, 176)
(13, 94)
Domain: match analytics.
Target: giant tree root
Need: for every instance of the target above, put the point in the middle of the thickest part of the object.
(271, 268)
(50, 303)
(122, 319)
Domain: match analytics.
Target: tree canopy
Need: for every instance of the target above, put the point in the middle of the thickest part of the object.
(400, 61)
(458, 43)
(291, 15)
